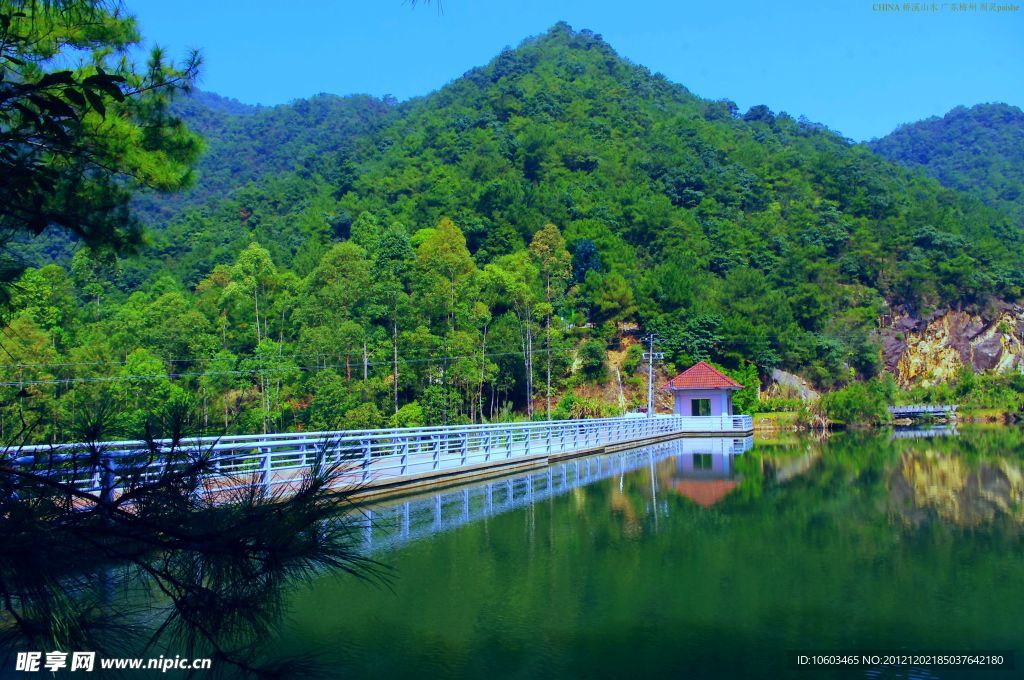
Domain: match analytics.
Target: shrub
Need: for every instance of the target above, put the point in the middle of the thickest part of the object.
(572, 406)
(634, 356)
(745, 400)
(363, 417)
(778, 405)
(410, 415)
(593, 361)
(859, 403)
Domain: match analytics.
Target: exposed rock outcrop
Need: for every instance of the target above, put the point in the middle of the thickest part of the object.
(932, 350)
(789, 385)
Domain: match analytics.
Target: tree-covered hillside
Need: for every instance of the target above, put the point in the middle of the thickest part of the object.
(248, 143)
(978, 149)
(344, 262)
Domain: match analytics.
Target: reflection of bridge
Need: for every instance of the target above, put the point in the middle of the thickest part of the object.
(925, 432)
(924, 411)
(393, 524)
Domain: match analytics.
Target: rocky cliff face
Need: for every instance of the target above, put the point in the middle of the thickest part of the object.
(931, 350)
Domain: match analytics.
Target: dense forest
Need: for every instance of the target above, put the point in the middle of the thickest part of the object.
(978, 149)
(473, 254)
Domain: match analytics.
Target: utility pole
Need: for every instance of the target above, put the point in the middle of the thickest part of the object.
(651, 356)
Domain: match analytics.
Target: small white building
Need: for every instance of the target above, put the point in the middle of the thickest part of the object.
(703, 390)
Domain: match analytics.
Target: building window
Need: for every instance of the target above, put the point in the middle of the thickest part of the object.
(700, 407)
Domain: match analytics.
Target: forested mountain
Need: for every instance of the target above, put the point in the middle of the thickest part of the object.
(248, 143)
(340, 260)
(978, 149)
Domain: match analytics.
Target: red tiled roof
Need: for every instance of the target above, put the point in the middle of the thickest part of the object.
(705, 492)
(702, 376)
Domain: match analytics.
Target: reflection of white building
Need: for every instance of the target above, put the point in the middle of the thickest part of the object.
(716, 445)
(703, 469)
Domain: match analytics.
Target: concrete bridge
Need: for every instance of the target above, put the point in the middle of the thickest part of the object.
(375, 461)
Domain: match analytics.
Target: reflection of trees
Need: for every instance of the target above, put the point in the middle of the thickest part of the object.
(157, 566)
(817, 557)
(963, 481)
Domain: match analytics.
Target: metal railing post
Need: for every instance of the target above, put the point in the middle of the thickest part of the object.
(367, 458)
(265, 472)
(107, 479)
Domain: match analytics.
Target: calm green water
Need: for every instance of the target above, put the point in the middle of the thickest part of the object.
(693, 566)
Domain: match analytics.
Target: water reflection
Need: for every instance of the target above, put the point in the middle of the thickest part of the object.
(926, 431)
(697, 466)
(931, 484)
(652, 567)
(704, 478)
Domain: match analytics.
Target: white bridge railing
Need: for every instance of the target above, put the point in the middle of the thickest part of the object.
(367, 456)
(923, 409)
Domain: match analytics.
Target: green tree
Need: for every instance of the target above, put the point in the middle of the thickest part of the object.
(46, 296)
(445, 269)
(274, 376)
(611, 296)
(555, 264)
(363, 417)
(252, 276)
(594, 361)
(75, 143)
(93, 273)
(29, 408)
(513, 278)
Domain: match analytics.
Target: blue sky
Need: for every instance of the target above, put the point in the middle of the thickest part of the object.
(843, 63)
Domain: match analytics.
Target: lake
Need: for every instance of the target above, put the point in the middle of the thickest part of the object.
(685, 561)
